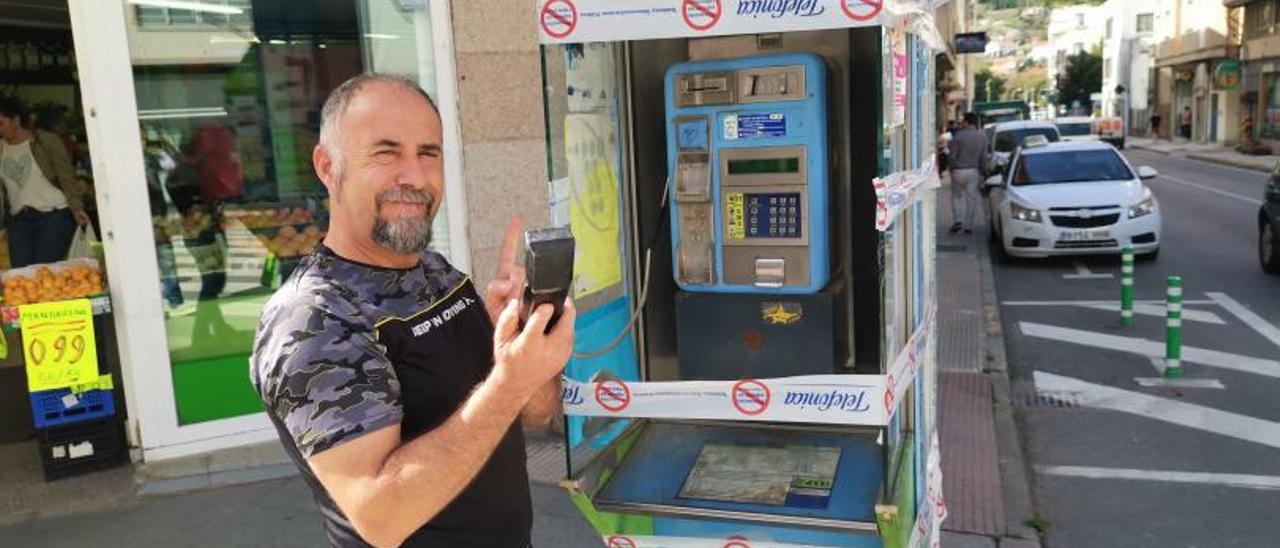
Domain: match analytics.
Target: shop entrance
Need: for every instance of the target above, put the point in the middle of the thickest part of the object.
(62, 406)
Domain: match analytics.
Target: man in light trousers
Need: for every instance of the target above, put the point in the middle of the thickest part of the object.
(966, 150)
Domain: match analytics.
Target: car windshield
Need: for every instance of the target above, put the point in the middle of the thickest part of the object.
(1075, 129)
(1075, 166)
(1010, 139)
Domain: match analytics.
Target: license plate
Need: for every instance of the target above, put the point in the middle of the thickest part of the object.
(1084, 235)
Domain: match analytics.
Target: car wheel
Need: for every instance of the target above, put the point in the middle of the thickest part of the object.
(1150, 256)
(1269, 247)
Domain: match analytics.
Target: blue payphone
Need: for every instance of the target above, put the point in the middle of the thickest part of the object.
(747, 153)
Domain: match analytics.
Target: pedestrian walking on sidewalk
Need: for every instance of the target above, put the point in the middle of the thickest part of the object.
(967, 152)
(1185, 123)
(379, 364)
(1155, 126)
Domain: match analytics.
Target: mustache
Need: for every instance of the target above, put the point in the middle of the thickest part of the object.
(406, 195)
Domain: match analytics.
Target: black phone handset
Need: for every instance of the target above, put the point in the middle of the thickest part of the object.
(548, 263)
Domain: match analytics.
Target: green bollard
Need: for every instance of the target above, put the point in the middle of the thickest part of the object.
(1126, 287)
(1173, 328)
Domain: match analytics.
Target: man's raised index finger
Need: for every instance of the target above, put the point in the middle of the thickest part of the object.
(510, 246)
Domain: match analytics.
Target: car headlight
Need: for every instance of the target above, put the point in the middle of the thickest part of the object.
(1146, 207)
(1023, 213)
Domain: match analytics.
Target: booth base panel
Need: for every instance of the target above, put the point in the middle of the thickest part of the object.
(652, 474)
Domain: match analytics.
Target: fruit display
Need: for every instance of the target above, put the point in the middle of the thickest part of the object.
(271, 217)
(52, 282)
(290, 242)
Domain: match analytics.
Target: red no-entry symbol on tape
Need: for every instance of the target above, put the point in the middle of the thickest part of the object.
(750, 397)
(888, 395)
(613, 395)
(559, 18)
(619, 541)
(861, 10)
(701, 15)
(737, 541)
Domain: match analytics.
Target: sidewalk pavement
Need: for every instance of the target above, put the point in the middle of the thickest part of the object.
(984, 475)
(1213, 153)
(246, 497)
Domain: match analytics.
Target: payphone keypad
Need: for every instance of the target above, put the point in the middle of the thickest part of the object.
(774, 216)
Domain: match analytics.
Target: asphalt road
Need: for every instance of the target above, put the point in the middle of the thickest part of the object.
(1118, 459)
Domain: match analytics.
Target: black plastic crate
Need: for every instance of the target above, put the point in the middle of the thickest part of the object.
(82, 447)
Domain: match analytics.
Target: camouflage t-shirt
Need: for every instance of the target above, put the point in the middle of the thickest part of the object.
(344, 348)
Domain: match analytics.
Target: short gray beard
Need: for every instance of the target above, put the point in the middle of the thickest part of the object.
(403, 236)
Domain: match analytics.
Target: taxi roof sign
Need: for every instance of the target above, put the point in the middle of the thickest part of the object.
(1035, 141)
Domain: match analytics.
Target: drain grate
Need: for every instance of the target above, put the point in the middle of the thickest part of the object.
(1051, 400)
(953, 247)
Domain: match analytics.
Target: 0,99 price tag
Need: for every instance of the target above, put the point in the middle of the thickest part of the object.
(58, 344)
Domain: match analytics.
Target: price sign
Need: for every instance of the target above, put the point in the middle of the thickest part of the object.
(58, 344)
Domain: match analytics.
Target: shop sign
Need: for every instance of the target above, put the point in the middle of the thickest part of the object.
(1226, 75)
(58, 344)
(572, 21)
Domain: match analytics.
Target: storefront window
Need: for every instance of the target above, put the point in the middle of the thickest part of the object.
(229, 98)
(1271, 106)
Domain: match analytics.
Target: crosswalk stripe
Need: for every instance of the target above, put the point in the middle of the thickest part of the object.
(1190, 415)
(1247, 481)
(1144, 347)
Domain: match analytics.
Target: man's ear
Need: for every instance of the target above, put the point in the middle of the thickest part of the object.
(323, 164)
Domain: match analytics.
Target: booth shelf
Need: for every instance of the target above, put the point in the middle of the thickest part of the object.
(650, 477)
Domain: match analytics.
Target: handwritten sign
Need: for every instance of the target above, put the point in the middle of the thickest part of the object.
(58, 344)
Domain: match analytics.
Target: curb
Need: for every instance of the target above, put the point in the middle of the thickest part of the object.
(1228, 162)
(1149, 148)
(1014, 479)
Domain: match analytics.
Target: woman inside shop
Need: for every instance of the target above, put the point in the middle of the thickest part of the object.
(40, 199)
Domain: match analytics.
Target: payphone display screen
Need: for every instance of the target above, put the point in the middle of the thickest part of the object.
(764, 166)
(773, 215)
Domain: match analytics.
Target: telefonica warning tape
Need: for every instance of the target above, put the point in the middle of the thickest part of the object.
(866, 400)
(933, 509)
(906, 366)
(612, 20)
(642, 541)
(899, 191)
(833, 399)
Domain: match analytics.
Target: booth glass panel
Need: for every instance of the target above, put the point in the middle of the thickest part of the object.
(585, 140)
(229, 106)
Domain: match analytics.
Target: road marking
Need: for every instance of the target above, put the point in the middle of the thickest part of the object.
(1148, 308)
(1083, 273)
(1161, 382)
(1158, 310)
(1095, 303)
(1190, 415)
(1144, 347)
(1247, 481)
(1217, 191)
(1258, 323)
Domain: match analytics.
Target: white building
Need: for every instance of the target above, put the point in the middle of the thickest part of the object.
(1128, 53)
(1072, 30)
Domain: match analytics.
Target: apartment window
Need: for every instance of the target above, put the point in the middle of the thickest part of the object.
(1260, 18)
(1077, 49)
(1146, 22)
(1106, 68)
(1079, 20)
(1108, 29)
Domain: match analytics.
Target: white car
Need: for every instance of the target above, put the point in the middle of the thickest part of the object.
(1076, 128)
(1079, 198)
(1005, 137)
